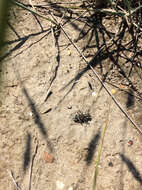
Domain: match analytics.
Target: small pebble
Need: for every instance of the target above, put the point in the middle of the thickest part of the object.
(113, 91)
(99, 166)
(69, 52)
(31, 114)
(110, 164)
(70, 188)
(130, 143)
(74, 40)
(48, 158)
(60, 185)
(69, 107)
(94, 94)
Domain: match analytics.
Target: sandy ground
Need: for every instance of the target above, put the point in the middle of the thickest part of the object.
(46, 84)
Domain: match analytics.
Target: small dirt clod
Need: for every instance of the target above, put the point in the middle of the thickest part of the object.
(48, 158)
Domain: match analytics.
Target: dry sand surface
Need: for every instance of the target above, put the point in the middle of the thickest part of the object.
(46, 85)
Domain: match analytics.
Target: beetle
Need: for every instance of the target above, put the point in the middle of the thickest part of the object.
(81, 117)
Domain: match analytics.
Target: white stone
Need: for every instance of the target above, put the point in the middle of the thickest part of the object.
(31, 114)
(94, 94)
(70, 188)
(60, 185)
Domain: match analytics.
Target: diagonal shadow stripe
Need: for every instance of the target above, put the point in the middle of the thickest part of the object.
(27, 154)
(37, 119)
(134, 171)
(92, 147)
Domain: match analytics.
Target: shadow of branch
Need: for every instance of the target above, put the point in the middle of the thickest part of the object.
(27, 154)
(37, 118)
(92, 147)
(134, 171)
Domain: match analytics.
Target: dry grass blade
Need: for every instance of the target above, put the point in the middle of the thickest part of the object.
(31, 166)
(33, 12)
(100, 150)
(11, 175)
(110, 11)
(136, 9)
